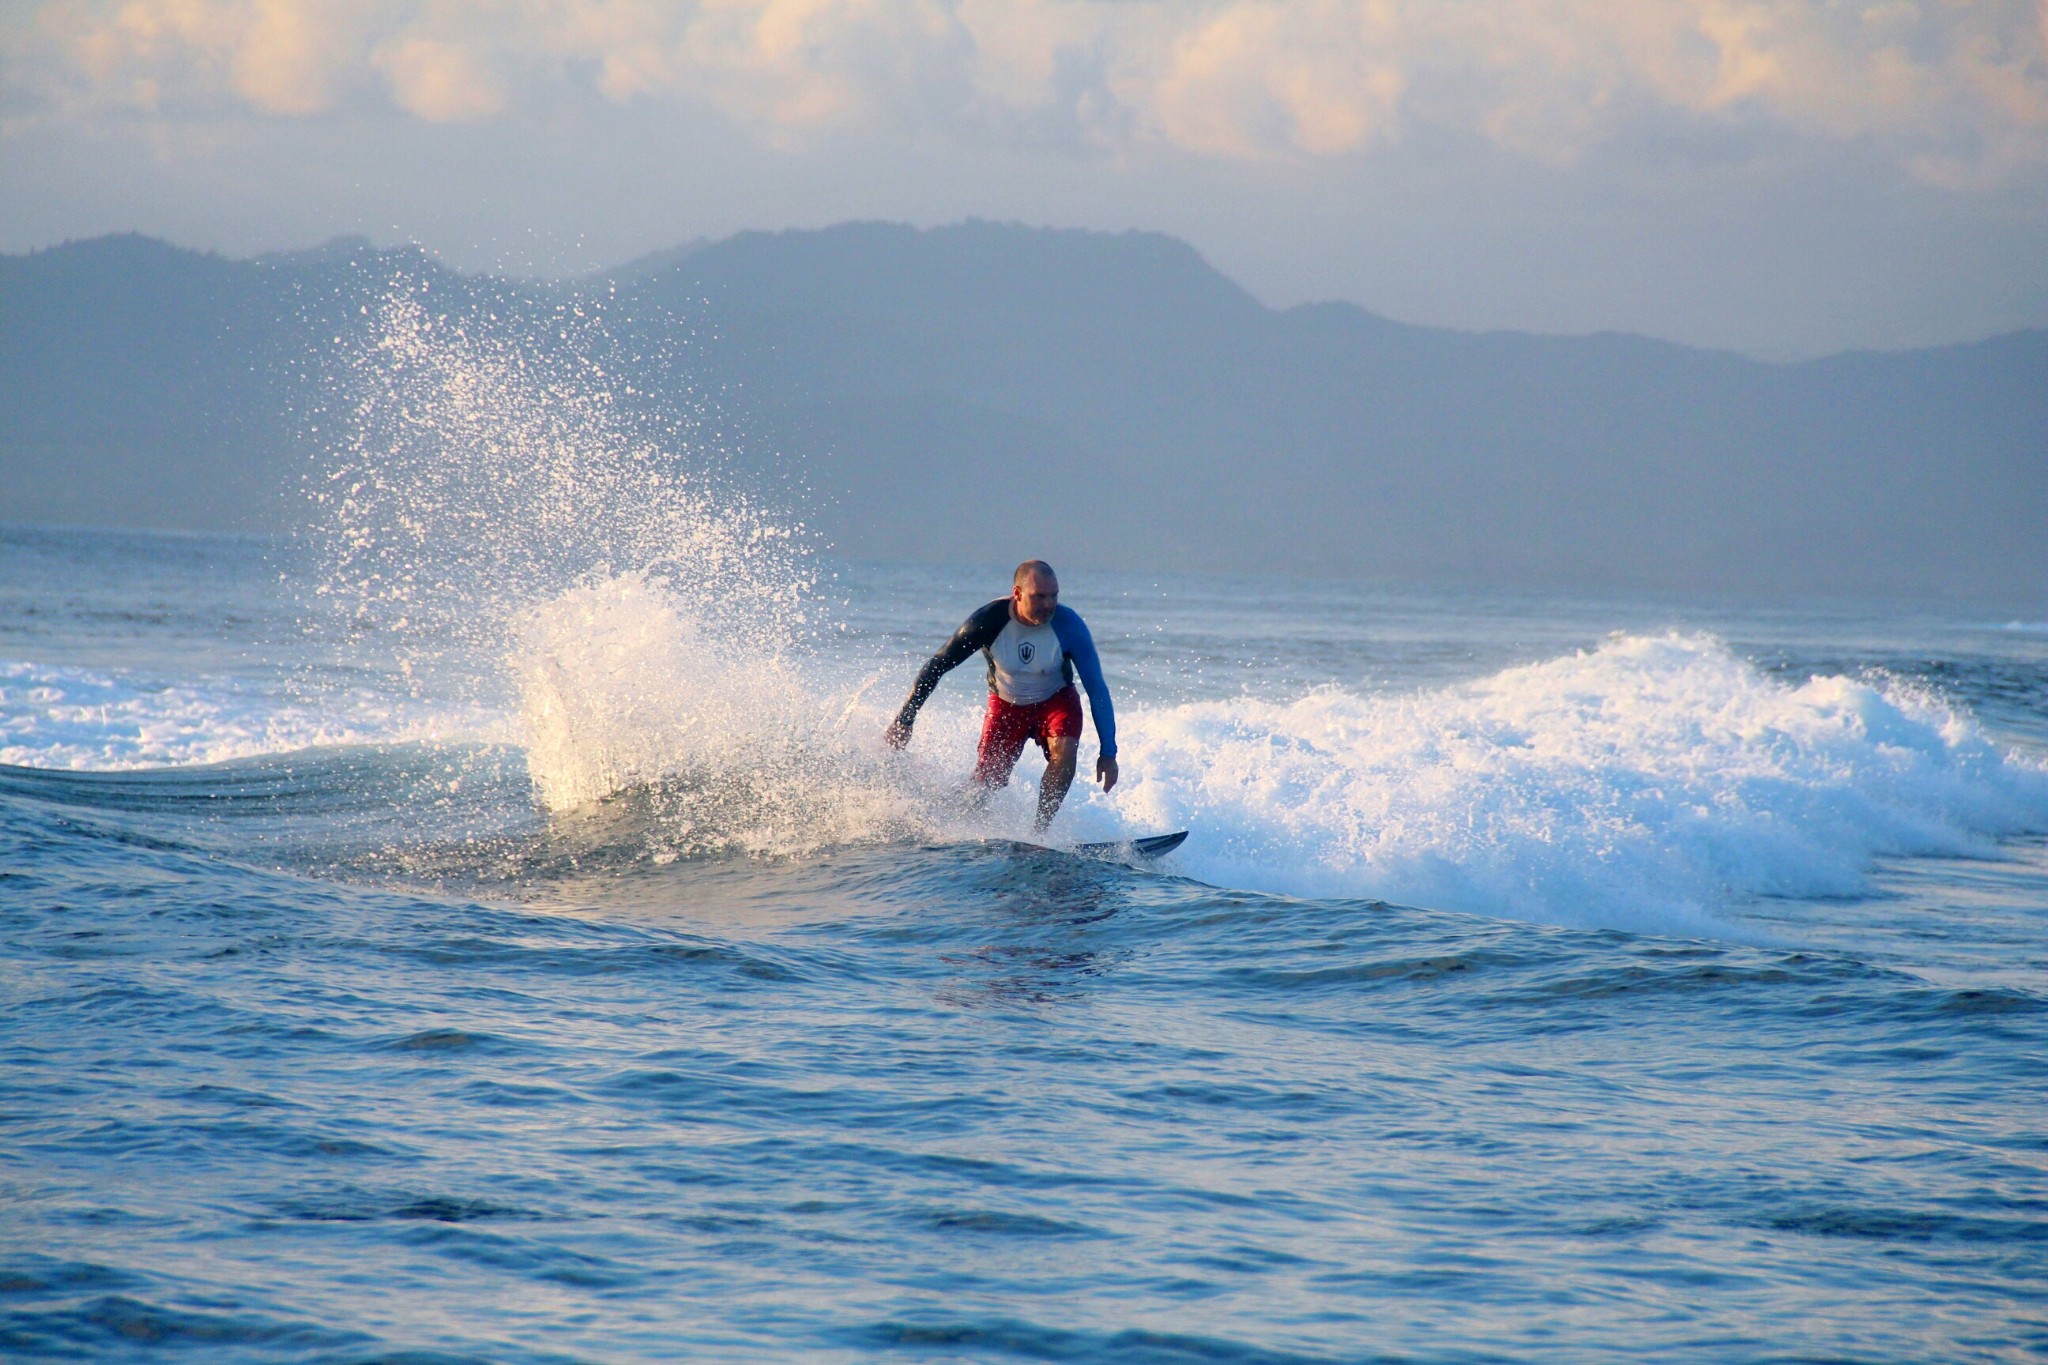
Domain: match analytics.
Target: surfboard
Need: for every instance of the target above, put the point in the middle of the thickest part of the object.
(1151, 846)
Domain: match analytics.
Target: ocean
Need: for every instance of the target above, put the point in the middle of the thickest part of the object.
(488, 927)
(1543, 979)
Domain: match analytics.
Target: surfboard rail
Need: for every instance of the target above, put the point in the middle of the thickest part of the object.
(1150, 846)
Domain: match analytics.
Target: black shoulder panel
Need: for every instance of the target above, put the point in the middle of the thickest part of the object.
(978, 631)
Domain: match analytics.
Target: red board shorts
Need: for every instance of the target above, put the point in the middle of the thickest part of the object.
(1008, 725)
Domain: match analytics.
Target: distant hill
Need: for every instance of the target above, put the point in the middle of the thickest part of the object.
(986, 391)
(145, 385)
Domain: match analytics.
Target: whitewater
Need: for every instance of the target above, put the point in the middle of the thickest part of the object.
(488, 927)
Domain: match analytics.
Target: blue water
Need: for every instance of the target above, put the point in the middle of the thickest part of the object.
(1544, 979)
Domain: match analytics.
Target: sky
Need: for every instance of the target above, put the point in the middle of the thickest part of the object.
(1780, 177)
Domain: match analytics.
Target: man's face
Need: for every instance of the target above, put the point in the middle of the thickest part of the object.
(1034, 598)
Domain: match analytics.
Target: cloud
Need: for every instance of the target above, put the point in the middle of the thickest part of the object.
(1321, 78)
(1958, 93)
(278, 57)
(441, 81)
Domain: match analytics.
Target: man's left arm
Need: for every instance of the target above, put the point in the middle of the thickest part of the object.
(1079, 646)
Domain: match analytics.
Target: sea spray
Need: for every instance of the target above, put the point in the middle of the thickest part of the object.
(526, 523)
(494, 462)
(726, 747)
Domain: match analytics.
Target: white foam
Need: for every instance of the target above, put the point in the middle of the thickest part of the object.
(113, 719)
(1639, 785)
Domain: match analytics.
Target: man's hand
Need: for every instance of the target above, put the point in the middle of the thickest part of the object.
(897, 735)
(1105, 771)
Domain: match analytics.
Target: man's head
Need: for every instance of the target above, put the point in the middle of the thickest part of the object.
(1034, 592)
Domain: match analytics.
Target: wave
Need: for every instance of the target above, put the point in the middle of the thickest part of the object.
(1637, 785)
(113, 720)
(1644, 784)
(1648, 784)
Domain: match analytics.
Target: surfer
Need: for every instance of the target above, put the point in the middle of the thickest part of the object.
(1035, 647)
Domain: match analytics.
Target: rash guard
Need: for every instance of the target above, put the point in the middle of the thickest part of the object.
(1026, 664)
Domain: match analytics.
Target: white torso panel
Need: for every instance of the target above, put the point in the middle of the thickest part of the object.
(1029, 664)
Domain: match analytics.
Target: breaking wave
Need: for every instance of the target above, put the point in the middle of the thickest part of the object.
(1635, 785)
(114, 719)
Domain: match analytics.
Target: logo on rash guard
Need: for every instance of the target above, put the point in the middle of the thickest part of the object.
(1025, 651)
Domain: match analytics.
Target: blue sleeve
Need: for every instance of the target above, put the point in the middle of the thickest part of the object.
(1080, 647)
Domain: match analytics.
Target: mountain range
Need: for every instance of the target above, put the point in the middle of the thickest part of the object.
(984, 392)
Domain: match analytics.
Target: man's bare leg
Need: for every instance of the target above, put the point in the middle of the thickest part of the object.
(1060, 752)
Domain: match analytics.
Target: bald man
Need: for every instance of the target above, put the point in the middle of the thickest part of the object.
(1035, 647)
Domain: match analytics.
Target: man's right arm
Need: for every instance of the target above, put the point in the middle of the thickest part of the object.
(976, 633)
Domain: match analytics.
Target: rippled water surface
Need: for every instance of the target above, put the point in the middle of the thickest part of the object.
(1543, 979)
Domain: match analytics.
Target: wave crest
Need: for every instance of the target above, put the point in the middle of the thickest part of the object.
(1635, 785)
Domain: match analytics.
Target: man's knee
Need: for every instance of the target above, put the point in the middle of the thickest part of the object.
(1060, 750)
